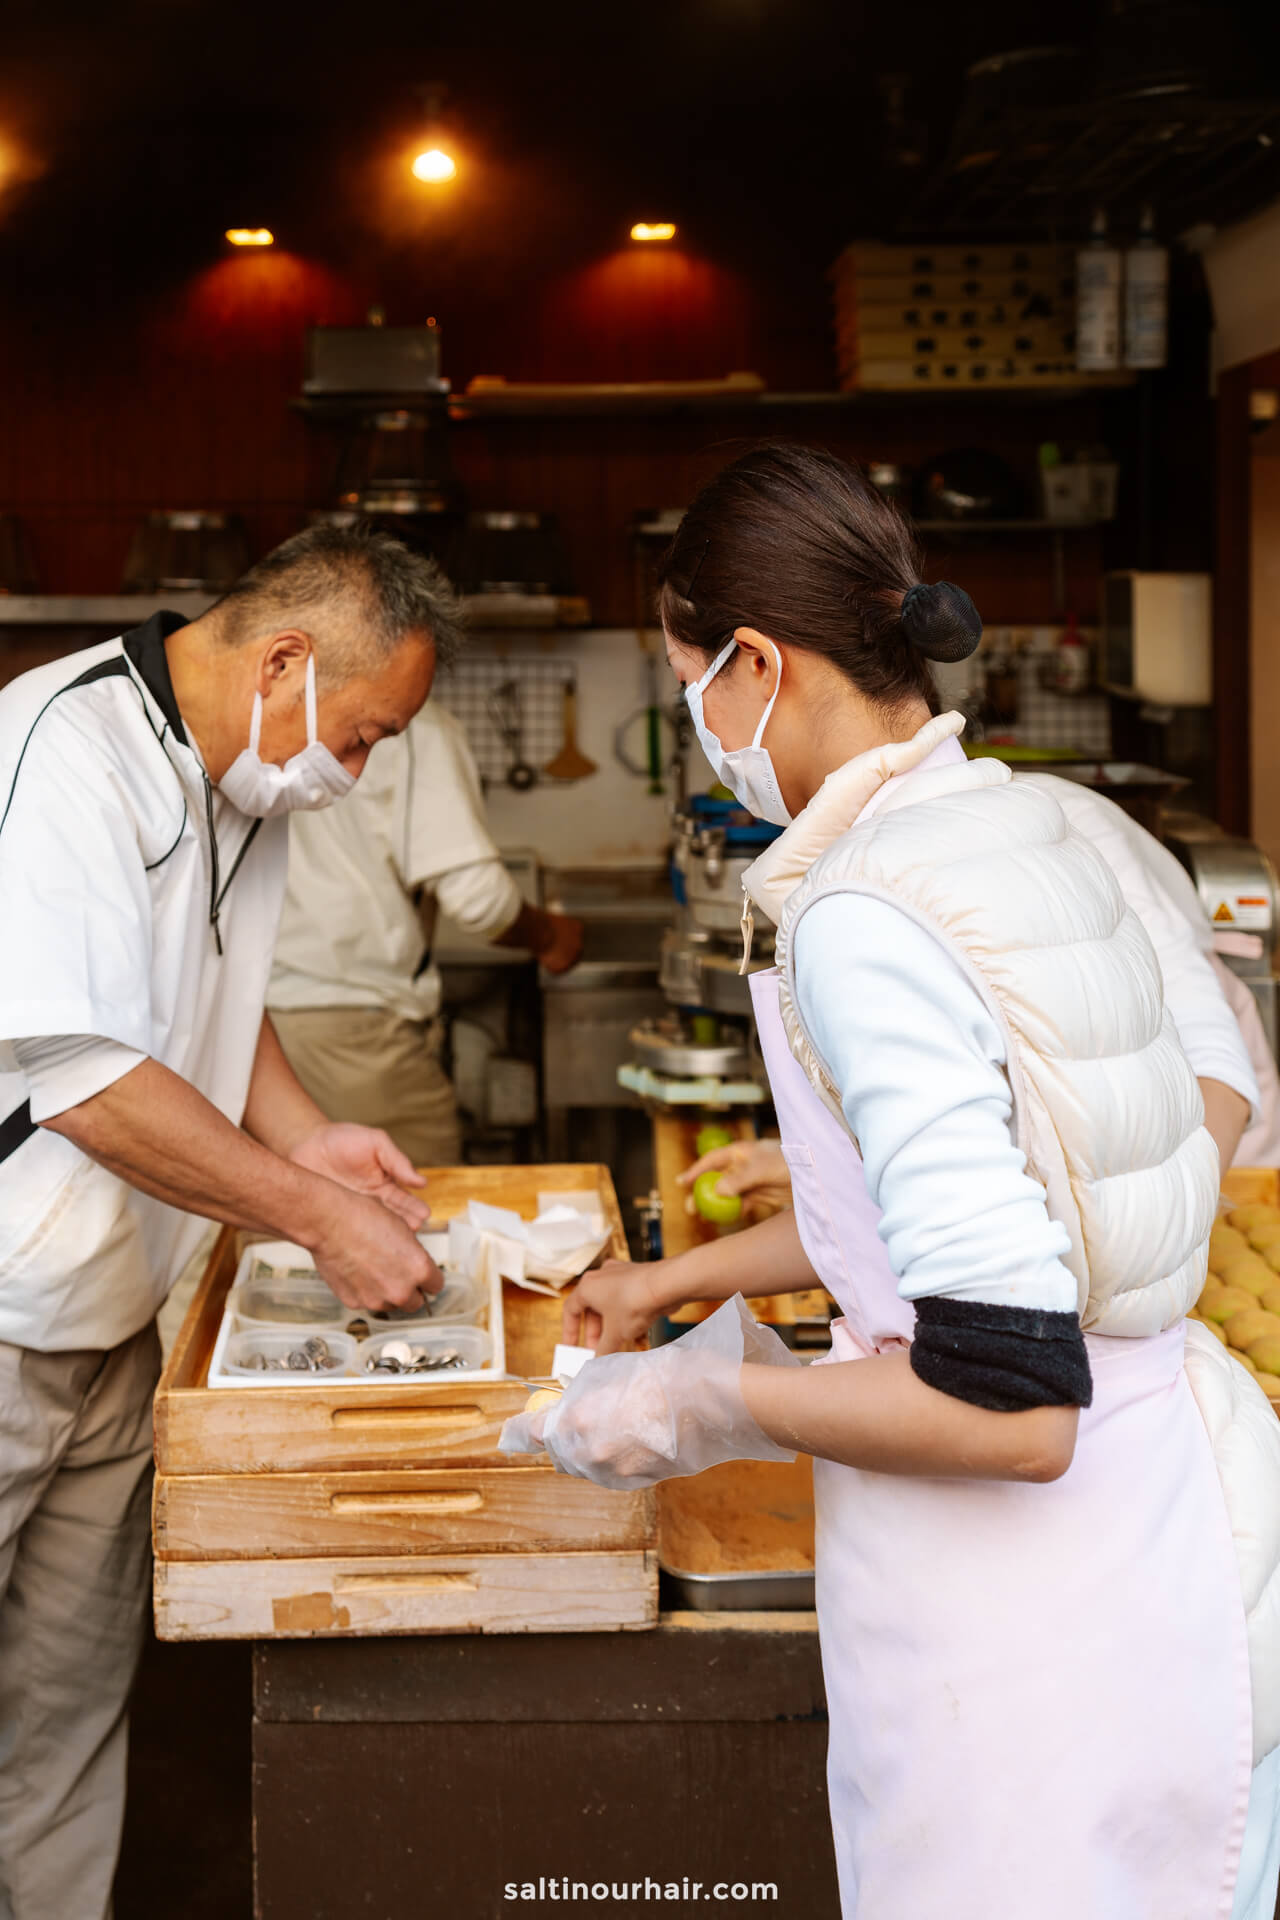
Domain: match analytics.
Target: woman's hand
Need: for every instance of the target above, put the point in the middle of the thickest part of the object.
(613, 1307)
(631, 1419)
(368, 1161)
(753, 1168)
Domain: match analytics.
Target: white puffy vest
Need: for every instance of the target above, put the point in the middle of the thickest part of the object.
(1105, 1104)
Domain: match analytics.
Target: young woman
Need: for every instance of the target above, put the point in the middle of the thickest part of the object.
(1037, 1639)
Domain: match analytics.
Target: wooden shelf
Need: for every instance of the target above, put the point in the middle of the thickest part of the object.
(1008, 526)
(482, 408)
(488, 612)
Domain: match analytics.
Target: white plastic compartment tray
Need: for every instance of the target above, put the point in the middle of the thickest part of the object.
(288, 1255)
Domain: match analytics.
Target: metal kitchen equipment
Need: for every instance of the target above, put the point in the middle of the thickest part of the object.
(508, 718)
(374, 359)
(381, 389)
(1240, 894)
(676, 1064)
(715, 841)
(193, 550)
(589, 1012)
(703, 1050)
(502, 551)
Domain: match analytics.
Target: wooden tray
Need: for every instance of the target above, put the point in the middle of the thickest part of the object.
(451, 1593)
(520, 1509)
(334, 1425)
(337, 1507)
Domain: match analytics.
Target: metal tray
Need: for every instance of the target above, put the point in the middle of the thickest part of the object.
(790, 1592)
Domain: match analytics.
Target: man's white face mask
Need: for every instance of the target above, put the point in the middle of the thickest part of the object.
(746, 771)
(310, 778)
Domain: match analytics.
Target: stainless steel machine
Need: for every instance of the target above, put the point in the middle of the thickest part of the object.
(1240, 895)
(703, 1050)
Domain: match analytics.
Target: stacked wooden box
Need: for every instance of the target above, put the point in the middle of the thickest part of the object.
(346, 1508)
(956, 317)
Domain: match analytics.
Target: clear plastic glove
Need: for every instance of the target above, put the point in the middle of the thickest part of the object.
(631, 1419)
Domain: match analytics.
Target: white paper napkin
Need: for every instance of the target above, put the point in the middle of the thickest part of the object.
(542, 1255)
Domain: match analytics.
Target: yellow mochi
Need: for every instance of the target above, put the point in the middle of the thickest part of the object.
(1265, 1354)
(1260, 1238)
(1223, 1242)
(1246, 1361)
(1254, 1323)
(1256, 1214)
(1248, 1270)
(1225, 1302)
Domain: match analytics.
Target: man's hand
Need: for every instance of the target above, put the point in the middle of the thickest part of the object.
(370, 1258)
(563, 947)
(368, 1161)
(553, 937)
(613, 1306)
(155, 1130)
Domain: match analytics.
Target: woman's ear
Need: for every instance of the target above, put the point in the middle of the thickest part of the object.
(762, 657)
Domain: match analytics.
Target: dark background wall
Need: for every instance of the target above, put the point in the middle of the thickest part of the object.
(146, 364)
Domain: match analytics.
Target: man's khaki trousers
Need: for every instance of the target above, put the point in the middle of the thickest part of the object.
(367, 1064)
(75, 1499)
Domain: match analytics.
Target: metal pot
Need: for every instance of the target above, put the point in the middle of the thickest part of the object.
(511, 552)
(189, 551)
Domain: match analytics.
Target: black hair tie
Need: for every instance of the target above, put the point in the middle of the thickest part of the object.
(940, 621)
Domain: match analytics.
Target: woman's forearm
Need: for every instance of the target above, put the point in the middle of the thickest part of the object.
(879, 1415)
(767, 1258)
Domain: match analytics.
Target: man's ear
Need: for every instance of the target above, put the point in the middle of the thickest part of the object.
(286, 652)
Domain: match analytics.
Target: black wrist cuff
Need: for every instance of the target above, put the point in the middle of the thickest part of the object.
(1006, 1358)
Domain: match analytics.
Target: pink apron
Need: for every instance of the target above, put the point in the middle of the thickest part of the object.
(1039, 1695)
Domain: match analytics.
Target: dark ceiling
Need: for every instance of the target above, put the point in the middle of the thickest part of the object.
(145, 128)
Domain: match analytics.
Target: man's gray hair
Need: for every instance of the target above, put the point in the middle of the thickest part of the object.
(358, 591)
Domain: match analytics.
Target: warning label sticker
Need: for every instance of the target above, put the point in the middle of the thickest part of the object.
(1252, 910)
(1249, 911)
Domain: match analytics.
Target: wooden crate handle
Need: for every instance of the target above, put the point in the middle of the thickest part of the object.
(393, 1500)
(413, 1420)
(399, 1582)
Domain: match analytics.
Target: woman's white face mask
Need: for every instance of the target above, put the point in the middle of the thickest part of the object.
(747, 771)
(311, 778)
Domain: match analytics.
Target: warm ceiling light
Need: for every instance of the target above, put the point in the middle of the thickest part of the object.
(434, 165)
(251, 236)
(653, 230)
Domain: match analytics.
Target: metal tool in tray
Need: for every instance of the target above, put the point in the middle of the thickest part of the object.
(283, 1326)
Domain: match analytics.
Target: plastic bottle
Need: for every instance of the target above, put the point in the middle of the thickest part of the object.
(1146, 298)
(1099, 269)
(1070, 672)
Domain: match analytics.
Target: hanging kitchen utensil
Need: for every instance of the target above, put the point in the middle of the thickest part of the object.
(570, 763)
(504, 705)
(643, 769)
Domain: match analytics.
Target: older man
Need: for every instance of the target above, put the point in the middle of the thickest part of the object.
(144, 793)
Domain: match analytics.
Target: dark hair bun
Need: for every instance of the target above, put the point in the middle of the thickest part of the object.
(941, 621)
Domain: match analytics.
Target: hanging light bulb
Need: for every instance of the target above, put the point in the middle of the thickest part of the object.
(251, 236)
(654, 230)
(434, 165)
